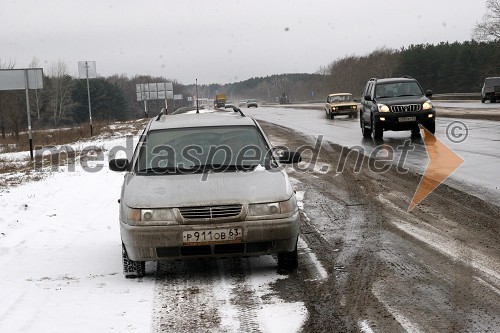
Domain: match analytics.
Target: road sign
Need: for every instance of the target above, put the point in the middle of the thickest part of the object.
(15, 79)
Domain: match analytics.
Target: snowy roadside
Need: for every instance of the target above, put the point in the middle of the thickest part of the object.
(60, 246)
(61, 249)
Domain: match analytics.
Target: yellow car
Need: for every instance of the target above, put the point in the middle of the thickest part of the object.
(341, 104)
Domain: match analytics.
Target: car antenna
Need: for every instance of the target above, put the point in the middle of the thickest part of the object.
(197, 108)
(235, 109)
(160, 114)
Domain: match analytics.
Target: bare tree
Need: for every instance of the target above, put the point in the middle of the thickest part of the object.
(489, 28)
(60, 87)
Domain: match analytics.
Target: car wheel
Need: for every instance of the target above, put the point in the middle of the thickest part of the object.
(367, 132)
(483, 100)
(415, 131)
(288, 261)
(378, 131)
(431, 126)
(331, 115)
(131, 268)
(355, 115)
(493, 100)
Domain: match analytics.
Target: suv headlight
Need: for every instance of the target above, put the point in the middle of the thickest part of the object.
(151, 216)
(383, 108)
(427, 105)
(273, 208)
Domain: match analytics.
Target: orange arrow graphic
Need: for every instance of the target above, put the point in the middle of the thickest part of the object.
(442, 162)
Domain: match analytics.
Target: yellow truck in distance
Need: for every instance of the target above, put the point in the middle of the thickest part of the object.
(220, 101)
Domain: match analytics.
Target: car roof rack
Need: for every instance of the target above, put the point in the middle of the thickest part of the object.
(235, 109)
(407, 77)
(160, 114)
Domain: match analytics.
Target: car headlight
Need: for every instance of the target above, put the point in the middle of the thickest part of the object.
(273, 208)
(151, 216)
(334, 108)
(383, 108)
(354, 107)
(427, 105)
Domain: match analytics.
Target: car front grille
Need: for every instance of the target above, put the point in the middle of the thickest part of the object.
(406, 108)
(345, 107)
(210, 212)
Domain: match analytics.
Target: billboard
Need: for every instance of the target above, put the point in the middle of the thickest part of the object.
(152, 91)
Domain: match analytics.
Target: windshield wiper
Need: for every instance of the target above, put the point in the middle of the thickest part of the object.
(224, 167)
(163, 170)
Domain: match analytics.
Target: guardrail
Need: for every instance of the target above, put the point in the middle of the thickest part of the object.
(458, 96)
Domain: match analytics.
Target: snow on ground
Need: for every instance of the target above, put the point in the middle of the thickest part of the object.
(60, 250)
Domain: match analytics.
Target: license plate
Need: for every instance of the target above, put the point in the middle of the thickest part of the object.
(404, 119)
(212, 236)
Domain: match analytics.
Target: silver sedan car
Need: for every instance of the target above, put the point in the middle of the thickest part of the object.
(206, 185)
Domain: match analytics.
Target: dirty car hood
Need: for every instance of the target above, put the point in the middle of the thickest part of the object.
(221, 188)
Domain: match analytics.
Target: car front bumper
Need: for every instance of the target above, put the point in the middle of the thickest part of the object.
(144, 243)
(398, 121)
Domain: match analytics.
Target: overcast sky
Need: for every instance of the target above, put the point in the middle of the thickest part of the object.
(221, 41)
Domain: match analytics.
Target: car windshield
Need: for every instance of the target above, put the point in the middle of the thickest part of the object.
(204, 148)
(341, 99)
(398, 89)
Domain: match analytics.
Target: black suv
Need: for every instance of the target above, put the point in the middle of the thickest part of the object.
(396, 104)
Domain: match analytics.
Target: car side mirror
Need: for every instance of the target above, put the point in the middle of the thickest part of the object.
(367, 98)
(119, 164)
(428, 93)
(289, 157)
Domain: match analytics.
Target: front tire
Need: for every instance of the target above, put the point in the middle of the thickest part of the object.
(288, 261)
(131, 268)
(431, 127)
(367, 132)
(378, 131)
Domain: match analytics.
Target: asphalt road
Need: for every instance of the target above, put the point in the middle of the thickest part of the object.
(475, 141)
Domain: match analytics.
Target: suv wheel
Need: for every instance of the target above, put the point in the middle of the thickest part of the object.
(431, 126)
(378, 131)
(131, 268)
(367, 132)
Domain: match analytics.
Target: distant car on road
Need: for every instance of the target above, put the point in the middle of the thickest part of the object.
(205, 185)
(252, 103)
(229, 104)
(243, 102)
(491, 89)
(341, 104)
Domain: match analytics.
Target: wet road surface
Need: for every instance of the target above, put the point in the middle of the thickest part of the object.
(366, 263)
(475, 141)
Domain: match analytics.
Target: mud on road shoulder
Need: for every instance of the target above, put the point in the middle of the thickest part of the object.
(432, 269)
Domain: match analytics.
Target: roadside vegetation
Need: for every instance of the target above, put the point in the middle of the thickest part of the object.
(443, 68)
